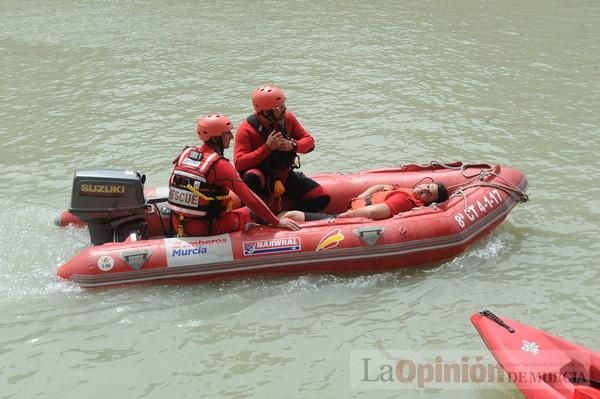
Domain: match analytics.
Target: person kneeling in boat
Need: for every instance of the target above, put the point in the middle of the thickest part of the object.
(381, 202)
(199, 187)
(266, 151)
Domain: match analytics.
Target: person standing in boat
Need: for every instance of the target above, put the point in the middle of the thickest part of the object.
(266, 151)
(381, 201)
(200, 183)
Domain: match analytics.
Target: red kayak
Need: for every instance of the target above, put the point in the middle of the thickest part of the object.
(541, 365)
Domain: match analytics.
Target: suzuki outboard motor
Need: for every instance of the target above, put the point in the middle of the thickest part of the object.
(111, 201)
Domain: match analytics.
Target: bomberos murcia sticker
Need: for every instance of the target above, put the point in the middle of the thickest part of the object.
(106, 263)
(193, 251)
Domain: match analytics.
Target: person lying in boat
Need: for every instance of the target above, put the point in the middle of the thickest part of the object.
(200, 183)
(381, 201)
(266, 148)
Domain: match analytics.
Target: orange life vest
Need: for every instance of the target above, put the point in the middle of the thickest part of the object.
(380, 196)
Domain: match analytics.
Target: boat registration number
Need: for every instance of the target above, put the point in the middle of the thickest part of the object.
(473, 212)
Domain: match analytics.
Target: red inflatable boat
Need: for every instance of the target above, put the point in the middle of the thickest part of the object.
(541, 365)
(136, 242)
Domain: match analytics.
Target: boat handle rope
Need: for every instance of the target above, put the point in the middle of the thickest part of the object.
(497, 320)
(462, 168)
(519, 195)
(514, 190)
(508, 187)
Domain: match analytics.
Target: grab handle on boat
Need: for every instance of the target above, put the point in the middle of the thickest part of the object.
(136, 257)
(369, 235)
(497, 320)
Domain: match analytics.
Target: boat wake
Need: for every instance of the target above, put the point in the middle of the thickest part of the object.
(492, 247)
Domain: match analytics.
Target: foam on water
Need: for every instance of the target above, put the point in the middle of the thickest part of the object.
(31, 256)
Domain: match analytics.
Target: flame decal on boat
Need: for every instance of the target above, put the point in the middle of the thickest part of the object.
(330, 240)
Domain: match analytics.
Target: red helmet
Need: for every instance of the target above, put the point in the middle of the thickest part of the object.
(213, 125)
(267, 97)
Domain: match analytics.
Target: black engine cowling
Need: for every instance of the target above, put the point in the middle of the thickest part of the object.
(112, 202)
